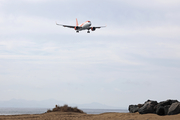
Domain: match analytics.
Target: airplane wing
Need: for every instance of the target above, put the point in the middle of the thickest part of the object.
(69, 26)
(97, 27)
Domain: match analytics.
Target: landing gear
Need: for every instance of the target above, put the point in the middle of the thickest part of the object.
(88, 31)
(77, 31)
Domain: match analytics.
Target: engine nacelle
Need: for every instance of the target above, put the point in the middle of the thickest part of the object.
(76, 28)
(93, 28)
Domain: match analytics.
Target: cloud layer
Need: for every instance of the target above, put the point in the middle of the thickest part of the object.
(137, 54)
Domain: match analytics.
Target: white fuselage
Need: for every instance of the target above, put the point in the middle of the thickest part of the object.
(84, 26)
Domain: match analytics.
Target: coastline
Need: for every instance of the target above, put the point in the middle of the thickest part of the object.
(21, 111)
(84, 116)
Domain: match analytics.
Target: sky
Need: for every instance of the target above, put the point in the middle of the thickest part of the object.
(135, 58)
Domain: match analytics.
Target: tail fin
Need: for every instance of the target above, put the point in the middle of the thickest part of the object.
(76, 22)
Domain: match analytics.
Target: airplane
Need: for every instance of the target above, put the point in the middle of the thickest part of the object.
(84, 26)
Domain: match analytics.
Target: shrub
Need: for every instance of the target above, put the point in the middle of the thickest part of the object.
(65, 108)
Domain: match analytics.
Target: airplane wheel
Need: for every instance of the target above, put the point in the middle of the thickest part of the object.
(88, 31)
(77, 31)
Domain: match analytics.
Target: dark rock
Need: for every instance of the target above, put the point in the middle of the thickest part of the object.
(148, 107)
(162, 110)
(168, 107)
(140, 105)
(133, 108)
(162, 107)
(174, 108)
(167, 102)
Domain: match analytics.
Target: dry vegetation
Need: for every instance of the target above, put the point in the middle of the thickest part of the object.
(65, 108)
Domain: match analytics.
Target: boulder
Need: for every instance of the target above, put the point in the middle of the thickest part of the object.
(162, 110)
(148, 107)
(162, 107)
(168, 107)
(174, 108)
(167, 102)
(133, 108)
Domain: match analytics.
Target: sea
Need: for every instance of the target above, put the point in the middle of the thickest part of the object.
(21, 111)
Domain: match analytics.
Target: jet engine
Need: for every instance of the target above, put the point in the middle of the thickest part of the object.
(93, 28)
(76, 28)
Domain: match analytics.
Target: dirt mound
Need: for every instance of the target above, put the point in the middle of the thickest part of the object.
(65, 108)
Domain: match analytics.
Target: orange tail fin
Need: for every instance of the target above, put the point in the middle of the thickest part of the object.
(76, 22)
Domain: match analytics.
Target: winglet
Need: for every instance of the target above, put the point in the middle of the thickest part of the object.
(57, 23)
(76, 22)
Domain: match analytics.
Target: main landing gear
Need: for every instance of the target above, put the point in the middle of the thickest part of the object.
(88, 31)
(77, 31)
